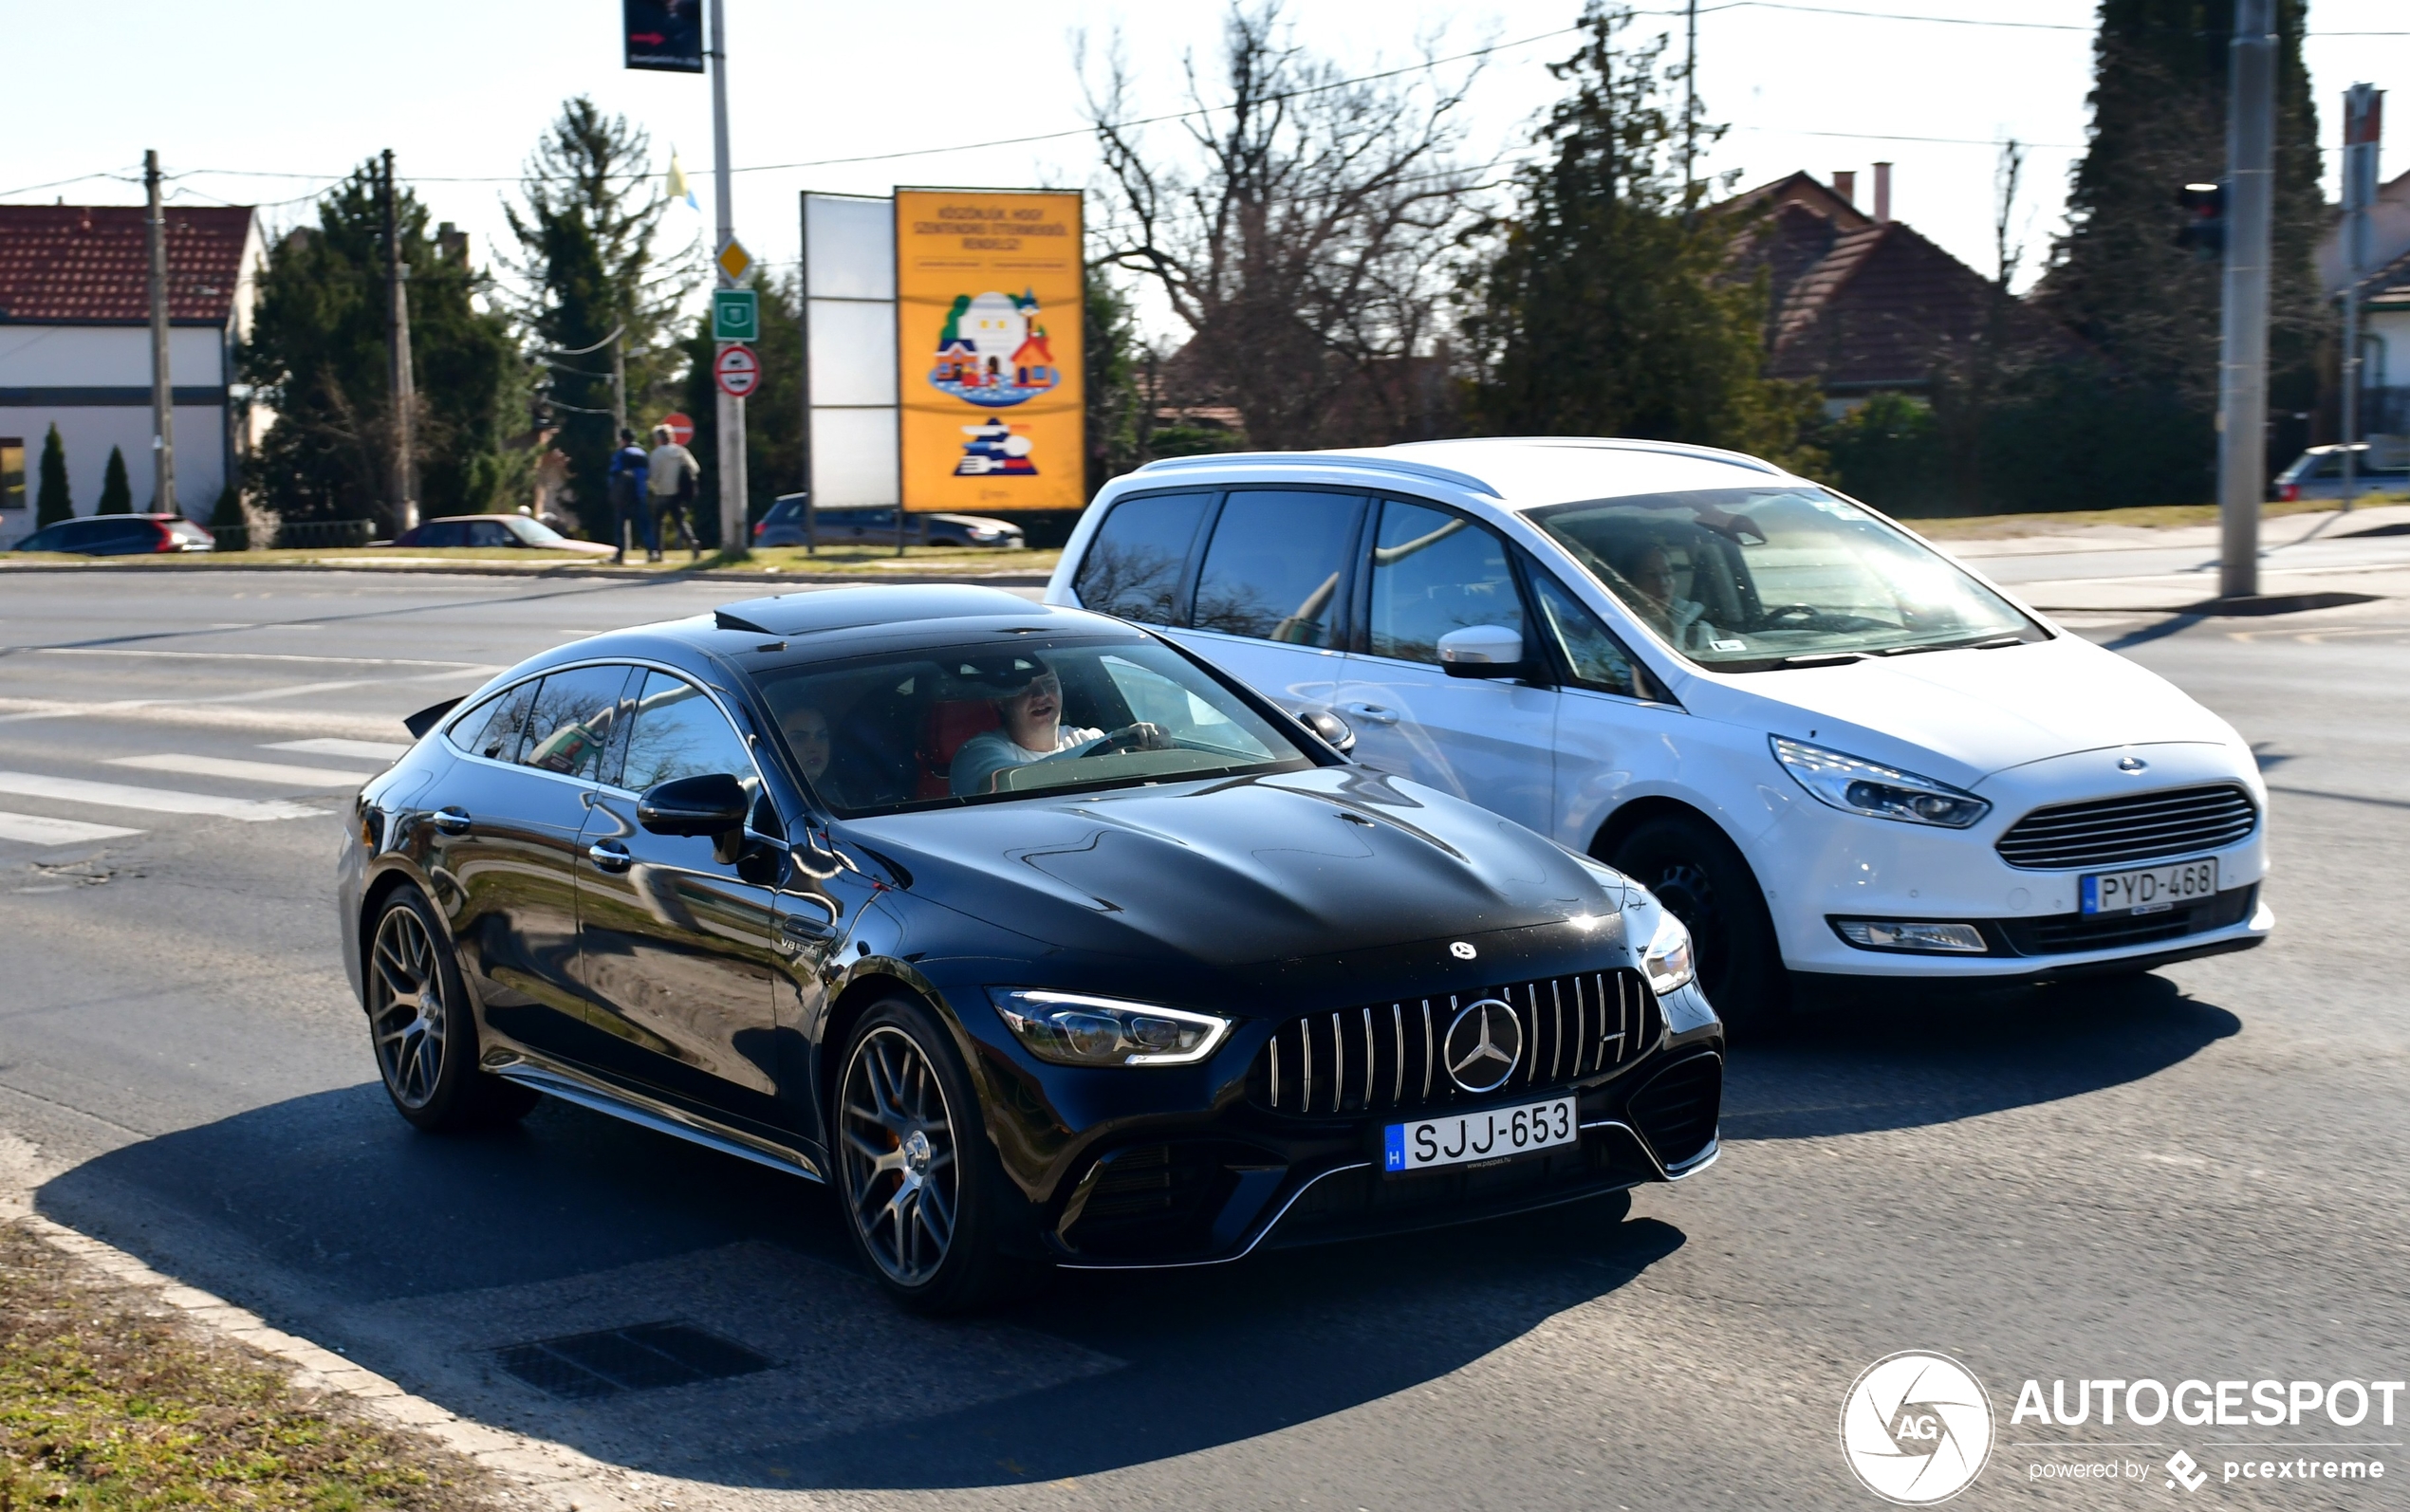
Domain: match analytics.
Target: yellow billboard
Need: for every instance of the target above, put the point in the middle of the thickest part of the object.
(988, 312)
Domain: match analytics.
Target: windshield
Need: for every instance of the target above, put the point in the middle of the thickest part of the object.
(1741, 580)
(534, 532)
(990, 722)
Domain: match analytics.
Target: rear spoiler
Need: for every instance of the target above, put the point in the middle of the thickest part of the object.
(427, 718)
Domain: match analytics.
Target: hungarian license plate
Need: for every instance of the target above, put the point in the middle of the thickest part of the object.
(2150, 889)
(1484, 1137)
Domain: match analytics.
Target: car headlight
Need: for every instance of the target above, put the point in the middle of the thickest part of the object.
(1859, 786)
(1667, 962)
(1071, 1029)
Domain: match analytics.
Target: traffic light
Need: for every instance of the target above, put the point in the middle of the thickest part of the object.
(2204, 232)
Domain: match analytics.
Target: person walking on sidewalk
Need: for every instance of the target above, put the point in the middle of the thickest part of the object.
(629, 501)
(675, 480)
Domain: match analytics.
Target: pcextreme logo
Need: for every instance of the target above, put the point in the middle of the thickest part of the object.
(1916, 1428)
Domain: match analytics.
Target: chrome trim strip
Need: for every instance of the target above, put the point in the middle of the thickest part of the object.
(569, 1086)
(1367, 1057)
(1262, 1232)
(1338, 1064)
(1397, 1037)
(1306, 1039)
(1427, 1053)
(1556, 997)
(1275, 1070)
(1692, 1167)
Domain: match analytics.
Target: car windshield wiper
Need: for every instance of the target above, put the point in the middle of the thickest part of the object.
(1986, 643)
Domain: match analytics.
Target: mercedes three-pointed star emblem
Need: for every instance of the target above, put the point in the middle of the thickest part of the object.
(1483, 1047)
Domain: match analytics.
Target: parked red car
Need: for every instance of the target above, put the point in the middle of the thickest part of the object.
(121, 535)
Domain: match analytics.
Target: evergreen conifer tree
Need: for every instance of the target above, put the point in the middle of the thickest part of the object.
(51, 501)
(1608, 307)
(117, 495)
(2159, 122)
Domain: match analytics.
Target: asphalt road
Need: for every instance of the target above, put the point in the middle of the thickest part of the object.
(2199, 1175)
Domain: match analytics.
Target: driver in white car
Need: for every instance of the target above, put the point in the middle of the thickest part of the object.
(1683, 622)
(1032, 731)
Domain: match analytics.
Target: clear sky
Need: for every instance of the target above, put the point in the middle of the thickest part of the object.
(269, 101)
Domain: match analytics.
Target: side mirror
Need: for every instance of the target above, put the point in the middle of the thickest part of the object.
(713, 805)
(1333, 730)
(1482, 650)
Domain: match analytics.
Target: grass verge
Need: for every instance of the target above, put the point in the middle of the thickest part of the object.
(776, 561)
(2148, 516)
(109, 1401)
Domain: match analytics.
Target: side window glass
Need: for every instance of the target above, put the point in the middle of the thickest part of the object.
(1136, 564)
(1274, 566)
(679, 732)
(576, 716)
(493, 729)
(1431, 573)
(1597, 659)
(490, 533)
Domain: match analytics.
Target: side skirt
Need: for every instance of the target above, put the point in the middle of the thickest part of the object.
(557, 1080)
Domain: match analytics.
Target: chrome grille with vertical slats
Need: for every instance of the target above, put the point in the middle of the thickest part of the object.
(2145, 826)
(1379, 1057)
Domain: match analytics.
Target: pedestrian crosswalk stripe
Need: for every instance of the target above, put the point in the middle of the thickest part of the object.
(379, 750)
(284, 773)
(156, 799)
(41, 829)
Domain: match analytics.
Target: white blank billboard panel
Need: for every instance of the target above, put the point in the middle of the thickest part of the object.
(853, 456)
(849, 289)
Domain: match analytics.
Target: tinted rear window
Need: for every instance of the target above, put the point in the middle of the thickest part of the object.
(493, 728)
(1275, 564)
(1139, 559)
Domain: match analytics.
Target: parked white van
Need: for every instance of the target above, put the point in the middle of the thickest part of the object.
(1825, 746)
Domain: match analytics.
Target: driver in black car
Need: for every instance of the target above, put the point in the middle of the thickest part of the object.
(1032, 731)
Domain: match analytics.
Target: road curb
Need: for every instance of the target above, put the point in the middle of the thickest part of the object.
(505, 569)
(535, 1470)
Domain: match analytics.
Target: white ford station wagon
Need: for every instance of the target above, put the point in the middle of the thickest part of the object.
(1822, 744)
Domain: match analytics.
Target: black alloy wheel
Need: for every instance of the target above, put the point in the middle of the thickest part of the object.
(1702, 879)
(420, 1024)
(913, 1168)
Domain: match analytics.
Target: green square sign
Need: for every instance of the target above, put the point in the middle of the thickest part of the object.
(736, 315)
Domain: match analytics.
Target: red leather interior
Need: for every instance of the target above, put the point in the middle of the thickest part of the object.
(944, 730)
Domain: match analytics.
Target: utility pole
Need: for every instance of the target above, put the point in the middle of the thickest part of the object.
(2362, 128)
(618, 382)
(1690, 105)
(2243, 369)
(400, 382)
(162, 389)
(730, 410)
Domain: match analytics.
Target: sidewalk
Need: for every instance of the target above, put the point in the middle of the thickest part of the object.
(2274, 533)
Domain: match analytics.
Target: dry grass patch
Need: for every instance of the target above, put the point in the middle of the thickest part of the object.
(108, 1399)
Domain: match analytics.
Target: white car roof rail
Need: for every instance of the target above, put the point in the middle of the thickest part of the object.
(1335, 461)
(1612, 443)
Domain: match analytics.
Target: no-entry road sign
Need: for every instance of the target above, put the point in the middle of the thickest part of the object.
(737, 371)
(681, 426)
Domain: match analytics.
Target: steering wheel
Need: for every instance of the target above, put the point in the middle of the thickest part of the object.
(1805, 613)
(1133, 737)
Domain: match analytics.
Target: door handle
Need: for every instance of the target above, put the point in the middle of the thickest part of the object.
(807, 929)
(608, 856)
(1371, 714)
(452, 820)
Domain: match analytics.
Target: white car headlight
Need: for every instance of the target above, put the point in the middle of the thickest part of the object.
(1071, 1029)
(1667, 961)
(1856, 785)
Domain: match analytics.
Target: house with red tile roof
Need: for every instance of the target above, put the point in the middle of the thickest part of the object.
(75, 346)
(1862, 302)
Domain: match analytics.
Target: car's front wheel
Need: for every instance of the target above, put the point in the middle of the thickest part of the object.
(424, 1034)
(1702, 878)
(923, 1202)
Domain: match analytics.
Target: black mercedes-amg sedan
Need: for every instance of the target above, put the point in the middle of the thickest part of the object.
(1045, 942)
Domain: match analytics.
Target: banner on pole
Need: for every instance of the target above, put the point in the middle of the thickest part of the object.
(987, 341)
(663, 35)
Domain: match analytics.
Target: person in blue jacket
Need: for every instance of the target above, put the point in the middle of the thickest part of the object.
(629, 488)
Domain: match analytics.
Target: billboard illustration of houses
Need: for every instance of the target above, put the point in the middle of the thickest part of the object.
(987, 309)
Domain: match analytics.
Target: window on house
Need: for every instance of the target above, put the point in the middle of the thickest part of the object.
(11, 472)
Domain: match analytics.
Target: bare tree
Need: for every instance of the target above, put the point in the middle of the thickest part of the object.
(1300, 235)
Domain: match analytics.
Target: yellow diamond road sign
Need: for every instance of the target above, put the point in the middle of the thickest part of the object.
(733, 259)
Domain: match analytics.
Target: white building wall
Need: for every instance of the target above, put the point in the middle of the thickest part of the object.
(107, 356)
(87, 430)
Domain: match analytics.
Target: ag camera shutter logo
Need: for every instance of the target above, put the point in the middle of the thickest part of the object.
(1916, 1428)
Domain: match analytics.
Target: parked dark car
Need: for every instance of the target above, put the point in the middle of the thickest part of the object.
(121, 535)
(776, 880)
(784, 527)
(495, 530)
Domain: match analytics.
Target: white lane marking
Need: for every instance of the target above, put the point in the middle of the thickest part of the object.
(377, 750)
(26, 709)
(242, 771)
(40, 829)
(156, 799)
(149, 653)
